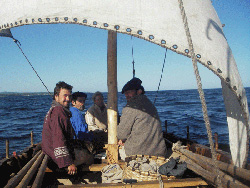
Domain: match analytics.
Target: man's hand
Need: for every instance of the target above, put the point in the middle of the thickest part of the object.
(120, 143)
(72, 169)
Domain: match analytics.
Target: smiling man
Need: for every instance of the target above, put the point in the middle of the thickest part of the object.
(57, 130)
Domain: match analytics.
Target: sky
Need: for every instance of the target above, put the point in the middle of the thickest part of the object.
(78, 55)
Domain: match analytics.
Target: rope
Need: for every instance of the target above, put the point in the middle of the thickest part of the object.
(133, 62)
(161, 75)
(19, 46)
(201, 93)
(161, 184)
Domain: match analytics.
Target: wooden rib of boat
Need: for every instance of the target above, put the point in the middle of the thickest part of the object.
(197, 33)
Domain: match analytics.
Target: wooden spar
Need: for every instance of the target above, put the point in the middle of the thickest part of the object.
(31, 138)
(216, 141)
(210, 176)
(7, 149)
(25, 181)
(112, 149)
(17, 178)
(38, 181)
(195, 160)
(229, 168)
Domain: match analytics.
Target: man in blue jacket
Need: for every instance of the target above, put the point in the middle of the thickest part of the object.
(77, 119)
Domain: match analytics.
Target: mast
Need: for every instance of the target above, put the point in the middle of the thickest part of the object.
(112, 149)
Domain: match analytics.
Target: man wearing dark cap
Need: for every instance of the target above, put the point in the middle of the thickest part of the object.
(140, 129)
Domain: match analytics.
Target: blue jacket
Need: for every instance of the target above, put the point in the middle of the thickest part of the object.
(78, 123)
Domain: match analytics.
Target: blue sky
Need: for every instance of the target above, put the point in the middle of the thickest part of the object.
(77, 55)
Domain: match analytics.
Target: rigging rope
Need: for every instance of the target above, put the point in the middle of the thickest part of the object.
(133, 62)
(161, 75)
(19, 46)
(200, 90)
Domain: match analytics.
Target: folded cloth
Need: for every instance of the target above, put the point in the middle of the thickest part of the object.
(173, 168)
(112, 174)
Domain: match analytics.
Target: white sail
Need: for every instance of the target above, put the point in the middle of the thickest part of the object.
(159, 22)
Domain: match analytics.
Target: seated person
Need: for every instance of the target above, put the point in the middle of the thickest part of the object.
(96, 116)
(58, 133)
(77, 120)
(139, 130)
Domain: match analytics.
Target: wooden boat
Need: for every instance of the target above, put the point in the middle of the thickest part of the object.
(192, 21)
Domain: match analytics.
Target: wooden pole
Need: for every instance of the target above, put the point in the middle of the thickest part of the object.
(216, 141)
(229, 168)
(29, 175)
(112, 150)
(201, 161)
(18, 177)
(31, 138)
(7, 149)
(39, 178)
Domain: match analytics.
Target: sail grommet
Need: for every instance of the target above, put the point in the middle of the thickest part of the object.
(94, 22)
(21, 21)
(66, 18)
(163, 42)
(33, 20)
(40, 19)
(26, 20)
(56, 19)
(186, 51)
(128, 30)
(11, 24)
(47, 19)
(219, 71)
(84, 21)
(139, 32)
(175, 46)
(198, 56)
(235, 88)
(209, 63)
(15, 23)
(105, 25)
(151, 37)
(228, 79)
(75, 19)
(117, 27)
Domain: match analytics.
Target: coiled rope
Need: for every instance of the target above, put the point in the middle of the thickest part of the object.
(200, 90)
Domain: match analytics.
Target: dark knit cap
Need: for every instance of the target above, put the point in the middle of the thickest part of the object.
(133, 84)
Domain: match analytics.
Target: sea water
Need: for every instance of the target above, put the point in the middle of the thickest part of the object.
(22, 113)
